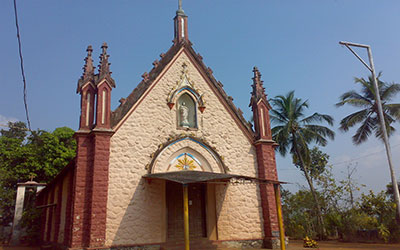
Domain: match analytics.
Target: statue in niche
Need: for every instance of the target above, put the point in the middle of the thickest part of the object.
(184, 112)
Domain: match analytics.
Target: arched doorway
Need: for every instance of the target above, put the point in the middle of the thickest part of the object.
(188, 155)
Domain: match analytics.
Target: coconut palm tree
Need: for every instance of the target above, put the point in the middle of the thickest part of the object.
(294, 132)
(368, 117)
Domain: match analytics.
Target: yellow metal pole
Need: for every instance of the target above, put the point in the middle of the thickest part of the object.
(280, 220)
(186, 215)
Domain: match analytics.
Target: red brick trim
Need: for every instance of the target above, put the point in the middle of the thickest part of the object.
(99, 188)
(81, 191)
(267, 170)
(49, 222)
(43, 200)
(58, 211)
(68, 212)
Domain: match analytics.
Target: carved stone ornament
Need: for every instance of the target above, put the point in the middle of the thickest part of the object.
(184, 84)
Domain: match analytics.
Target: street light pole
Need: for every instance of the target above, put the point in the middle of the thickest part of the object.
(371, 68)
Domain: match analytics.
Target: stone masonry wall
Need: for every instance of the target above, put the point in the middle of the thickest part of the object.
(136, 209)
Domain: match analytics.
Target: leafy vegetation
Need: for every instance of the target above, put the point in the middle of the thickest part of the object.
(368, 117)
(370, 218)
(294, 132)
(24, 154)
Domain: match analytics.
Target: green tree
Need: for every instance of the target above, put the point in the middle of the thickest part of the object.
(23, 153)
(294, 132)
(368, 117)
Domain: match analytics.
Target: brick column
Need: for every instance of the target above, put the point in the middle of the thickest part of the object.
(98, 206)
(267, 170)
(80, 215)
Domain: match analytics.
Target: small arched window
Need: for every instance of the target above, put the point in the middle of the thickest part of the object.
(187, 114)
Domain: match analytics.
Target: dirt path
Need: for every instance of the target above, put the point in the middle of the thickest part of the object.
(334, 245)
(297, 245)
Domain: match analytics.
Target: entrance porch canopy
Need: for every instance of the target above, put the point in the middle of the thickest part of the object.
(186, 177)
(189, 176)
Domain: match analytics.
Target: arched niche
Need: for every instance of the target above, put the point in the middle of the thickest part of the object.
(186, 112)
(203, 157)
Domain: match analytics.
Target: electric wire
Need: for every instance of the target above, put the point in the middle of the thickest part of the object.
(348, 161)
(22, 64)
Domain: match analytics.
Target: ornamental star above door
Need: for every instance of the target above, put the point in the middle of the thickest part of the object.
(186, 161)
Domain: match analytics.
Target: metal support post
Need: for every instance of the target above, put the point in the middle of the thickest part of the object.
(371, 68)
(186, 215)
(280, 220)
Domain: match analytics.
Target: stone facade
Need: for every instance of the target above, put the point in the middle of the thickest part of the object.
(102, 201)
(150, 124)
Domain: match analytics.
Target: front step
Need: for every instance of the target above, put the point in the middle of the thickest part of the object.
(197, 244)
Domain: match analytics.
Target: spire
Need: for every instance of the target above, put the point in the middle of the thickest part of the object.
(180, 25)
(260, 108)
(88, 69)
(180, 11)
(104, 66)
(258, 88)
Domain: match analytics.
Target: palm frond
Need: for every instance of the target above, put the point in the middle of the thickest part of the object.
(393, 110)
(281, 135)
(389, 91)
(277, 117)
(352, 119)
(364, 130)
(354, 99)
(321, 131)
(317, 117)
(389, 129)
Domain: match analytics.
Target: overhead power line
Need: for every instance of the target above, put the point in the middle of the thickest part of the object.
(22, 64)
(361, 157)
(347, 161)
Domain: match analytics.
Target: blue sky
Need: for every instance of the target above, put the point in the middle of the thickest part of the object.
(293, 43)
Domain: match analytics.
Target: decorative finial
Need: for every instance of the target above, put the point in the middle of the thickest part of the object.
(104, 67)
(180, 11)
(258, 88)
(88, 69)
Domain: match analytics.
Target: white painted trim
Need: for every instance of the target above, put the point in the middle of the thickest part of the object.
(262, 122)
(87, 108)
(103, 107)
(183, 27)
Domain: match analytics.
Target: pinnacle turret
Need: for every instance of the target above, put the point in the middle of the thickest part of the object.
(258, 88)
(88, 69)
(104, 67)
(180, 25)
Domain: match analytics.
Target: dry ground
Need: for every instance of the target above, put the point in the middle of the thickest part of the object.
(334, 245)
(297, 245)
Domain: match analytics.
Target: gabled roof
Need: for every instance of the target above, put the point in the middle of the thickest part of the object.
(148, 78)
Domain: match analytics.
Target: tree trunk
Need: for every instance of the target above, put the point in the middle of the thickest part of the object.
(314, 194)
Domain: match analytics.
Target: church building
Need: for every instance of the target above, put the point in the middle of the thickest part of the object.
(175, 160)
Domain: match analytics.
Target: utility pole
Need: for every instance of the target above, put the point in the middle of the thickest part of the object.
(371, 68)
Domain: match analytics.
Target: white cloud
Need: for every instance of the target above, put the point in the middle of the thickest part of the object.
(4, 120)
